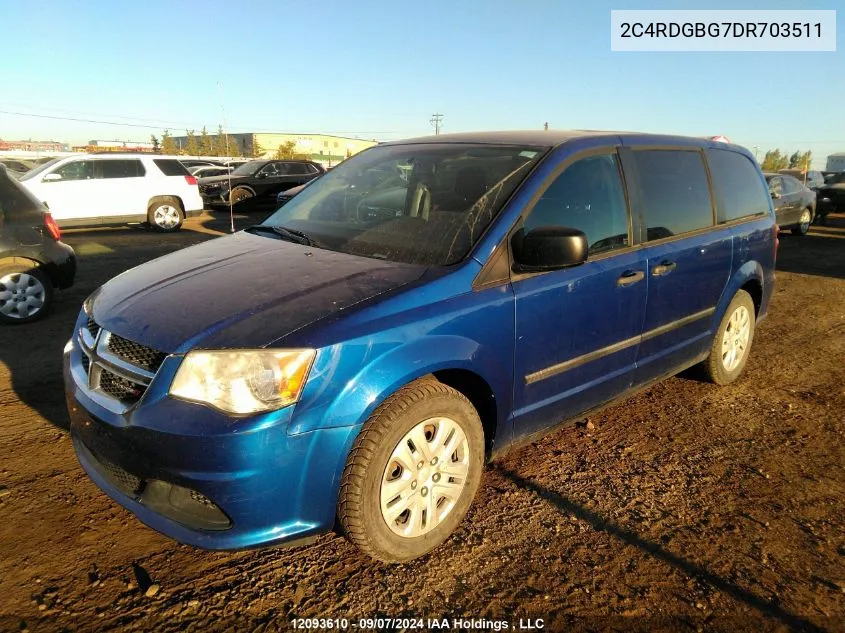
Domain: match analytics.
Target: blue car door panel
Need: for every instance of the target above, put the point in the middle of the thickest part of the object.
(577, 329)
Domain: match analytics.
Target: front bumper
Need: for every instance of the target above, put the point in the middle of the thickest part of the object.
(199, 477)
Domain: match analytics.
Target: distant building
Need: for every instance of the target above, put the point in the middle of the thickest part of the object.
(32, 146)
(323, 148)
(836, 162)
(115, 146)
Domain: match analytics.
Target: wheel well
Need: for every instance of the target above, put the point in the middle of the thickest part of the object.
(176, 198)
(46, 269)
(247, 187)
(479, 393)
(755, 289)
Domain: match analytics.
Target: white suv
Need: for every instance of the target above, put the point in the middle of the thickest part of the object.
(98, 189)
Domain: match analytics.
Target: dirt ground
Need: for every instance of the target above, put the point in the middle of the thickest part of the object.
(687, 507)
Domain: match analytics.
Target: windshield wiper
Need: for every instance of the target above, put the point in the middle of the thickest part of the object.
(291, 235)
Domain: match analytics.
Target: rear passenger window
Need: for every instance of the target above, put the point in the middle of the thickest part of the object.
(297, 169)
(739, 189)
(674, 192)
(171, 167)
(587, 196)
(120, 169)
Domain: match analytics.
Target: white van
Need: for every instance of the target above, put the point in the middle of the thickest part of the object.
(101, 189)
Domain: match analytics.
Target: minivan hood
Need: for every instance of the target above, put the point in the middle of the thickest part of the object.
(238, 291)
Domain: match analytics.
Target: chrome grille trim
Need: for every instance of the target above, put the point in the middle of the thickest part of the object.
(103, 373)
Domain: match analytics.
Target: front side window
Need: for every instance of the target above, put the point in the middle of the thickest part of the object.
(76, 170)
(674, 192)
(737, 184)
(271, 170)
(587, 196)
(790, 185)
(776, 185)
(425, 203)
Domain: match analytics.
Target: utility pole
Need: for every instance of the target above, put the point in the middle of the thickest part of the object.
(435, 121)
(756, 151)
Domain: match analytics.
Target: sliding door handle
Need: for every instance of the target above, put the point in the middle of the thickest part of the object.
(630, 277)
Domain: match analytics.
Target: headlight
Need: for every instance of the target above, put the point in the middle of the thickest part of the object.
(243, 381)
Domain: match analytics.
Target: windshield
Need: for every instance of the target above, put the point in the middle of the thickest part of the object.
(248, 169)
(421, 204)
(32, 173)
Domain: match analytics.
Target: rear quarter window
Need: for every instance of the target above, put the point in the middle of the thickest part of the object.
(739, 189)
(171, 167)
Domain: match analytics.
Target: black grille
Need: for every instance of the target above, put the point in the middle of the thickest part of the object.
(139, 355)
(119, 387)
(86, 362)
(123, 479)
(92, 327)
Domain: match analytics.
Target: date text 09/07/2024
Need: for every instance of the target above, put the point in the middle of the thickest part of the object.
(465, 624)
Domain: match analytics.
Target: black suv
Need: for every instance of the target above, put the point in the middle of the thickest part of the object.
(32, 259)
(256, 183)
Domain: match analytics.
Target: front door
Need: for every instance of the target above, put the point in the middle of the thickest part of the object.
(69, 190)
(577, 329)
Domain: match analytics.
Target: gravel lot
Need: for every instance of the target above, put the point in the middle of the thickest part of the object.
(687, 507)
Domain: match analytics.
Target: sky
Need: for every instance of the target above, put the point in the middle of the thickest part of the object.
(378, 69)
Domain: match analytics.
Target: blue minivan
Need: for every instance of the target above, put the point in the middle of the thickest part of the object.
(356, 358)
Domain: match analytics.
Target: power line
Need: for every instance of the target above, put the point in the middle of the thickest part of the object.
(159, 127)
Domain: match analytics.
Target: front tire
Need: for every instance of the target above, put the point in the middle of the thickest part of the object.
(732, 343)
(26, 293)
(803, 227)
(412, 473)
(239, 194)
(165, 214)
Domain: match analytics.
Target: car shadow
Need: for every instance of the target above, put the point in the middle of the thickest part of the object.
(821, 252)
(599, 523)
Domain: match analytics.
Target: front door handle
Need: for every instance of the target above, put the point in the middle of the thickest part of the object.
(630, 277)
(663, 268)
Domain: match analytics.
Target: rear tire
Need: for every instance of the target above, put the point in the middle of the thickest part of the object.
(732, 343)
(412, 473)
(26, 293)
(803, 227)
(165, 214)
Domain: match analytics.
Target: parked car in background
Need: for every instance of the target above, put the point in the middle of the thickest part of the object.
(102, 189)
(16, 167)
(285, 196)
(257, 182)
(33, 260)
(831, 195)
(355, 358)
(810, 179)
(197, 162)
(209, 171)
(795, 204)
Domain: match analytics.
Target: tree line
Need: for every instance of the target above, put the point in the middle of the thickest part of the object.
(220, 144)
(775, 160)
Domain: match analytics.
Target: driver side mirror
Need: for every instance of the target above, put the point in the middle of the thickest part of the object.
(54, 177)
(775, 195)
(548, 248)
